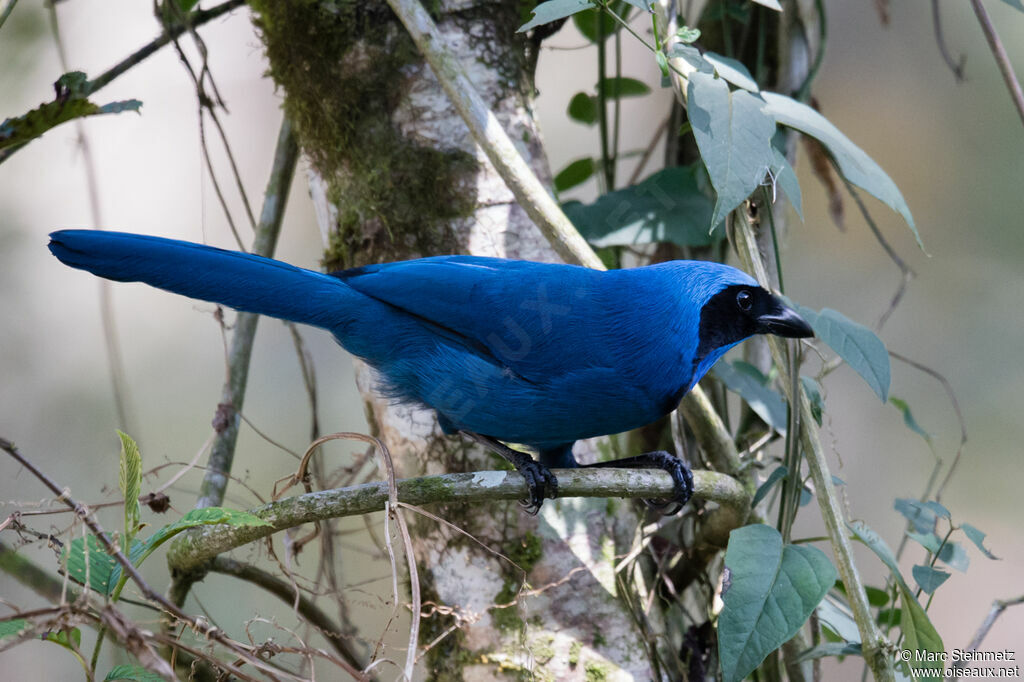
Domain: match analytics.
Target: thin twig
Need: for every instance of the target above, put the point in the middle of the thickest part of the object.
(956, 66)
(906, 273)
(82, 512)
(305, 607)
(1002, 60)
(170, 33)
(7, 11)
(998, 606)
(233, 395)
(956, 409)
(648, 151)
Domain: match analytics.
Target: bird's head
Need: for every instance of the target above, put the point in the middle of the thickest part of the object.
(736, 307)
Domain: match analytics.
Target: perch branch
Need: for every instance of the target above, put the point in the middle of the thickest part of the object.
(194, 549)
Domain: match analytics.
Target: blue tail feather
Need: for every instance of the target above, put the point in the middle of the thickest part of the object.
(238, 280)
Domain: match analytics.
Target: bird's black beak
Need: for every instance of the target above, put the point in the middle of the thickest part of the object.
(783, 321)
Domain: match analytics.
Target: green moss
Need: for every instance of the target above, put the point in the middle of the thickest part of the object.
(525, 551)
(432, 488)
(341, 65)
(574, 653)
(595, 671)
(543, 649)
(508, 619)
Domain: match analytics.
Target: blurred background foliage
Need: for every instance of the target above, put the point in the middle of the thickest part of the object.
(955, 150)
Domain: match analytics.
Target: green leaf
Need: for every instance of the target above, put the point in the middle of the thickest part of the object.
(857, 345)
(876, 544)
(553, 10)
(130, 481)
(669, 206)
(920, 635)
(692, 56)
(644, 5)
(955, 556)
(13, 628)
(134, 673)
(780, 473)
(734, 135)
(929, 541)
(771, 589)
(732, 70)
(927, 578)
(577, 172)
(853, 163)
(830, 649)
(908, 418)
(587, 21)
(813, 390)
(1016, 4)
(583, 108)
(978, 538)
(688, 35)
(747, 381)
(86, 558)
(69, 639)
(208, 516)
(920, 516)
(937, 509)
(918, 631)
(187, 5)
(69, 103)
(122, 106)
(876, 596)
(620, 86)
(662, 60)
(837, 618)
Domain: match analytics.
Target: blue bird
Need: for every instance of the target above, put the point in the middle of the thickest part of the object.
(506, 351)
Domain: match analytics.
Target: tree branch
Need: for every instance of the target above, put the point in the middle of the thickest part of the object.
(211, 493)
(194, 549)
(1002, 60)
(309, 611)
(170, 33)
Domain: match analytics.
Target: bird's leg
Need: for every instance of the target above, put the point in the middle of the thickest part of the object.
(658, 459)
(540, 481)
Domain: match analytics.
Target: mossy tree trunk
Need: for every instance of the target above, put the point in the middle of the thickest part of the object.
(395, 174)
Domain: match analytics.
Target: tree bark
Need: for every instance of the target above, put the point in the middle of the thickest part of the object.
(395, 174)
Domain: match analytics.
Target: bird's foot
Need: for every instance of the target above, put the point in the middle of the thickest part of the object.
(659, 459)
(540, 482)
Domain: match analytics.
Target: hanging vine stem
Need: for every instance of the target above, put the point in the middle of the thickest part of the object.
(875, 645)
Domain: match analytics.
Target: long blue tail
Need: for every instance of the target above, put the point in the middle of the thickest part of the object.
(238, 280)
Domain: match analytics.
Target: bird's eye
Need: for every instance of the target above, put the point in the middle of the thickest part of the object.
(744, 300)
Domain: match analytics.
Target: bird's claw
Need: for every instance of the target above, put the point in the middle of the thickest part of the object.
(540, 483)
(681, 476)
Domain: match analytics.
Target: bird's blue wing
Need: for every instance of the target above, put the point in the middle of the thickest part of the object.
(535, 319)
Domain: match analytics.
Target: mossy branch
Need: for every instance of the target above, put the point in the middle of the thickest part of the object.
(193, 550)
(873, 641)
